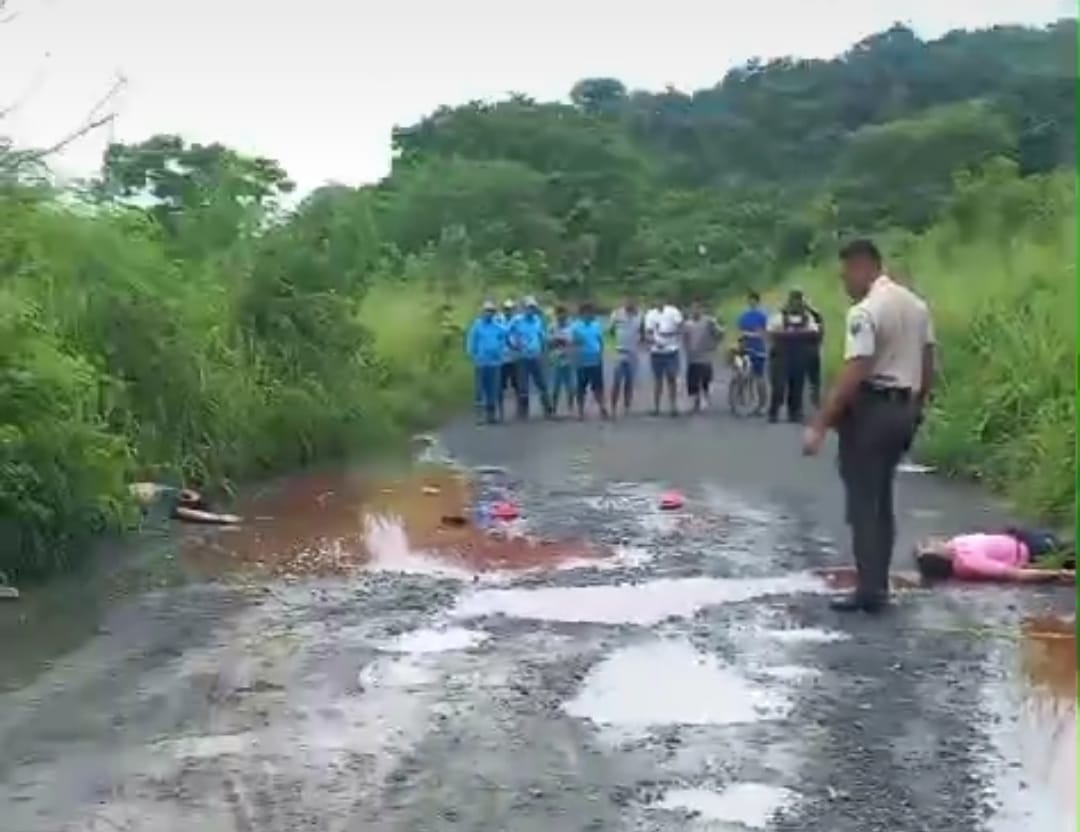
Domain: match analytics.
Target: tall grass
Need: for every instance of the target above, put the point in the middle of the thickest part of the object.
(999, 273)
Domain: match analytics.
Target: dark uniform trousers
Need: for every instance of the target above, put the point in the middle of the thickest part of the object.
(787, 373)
(874, 434)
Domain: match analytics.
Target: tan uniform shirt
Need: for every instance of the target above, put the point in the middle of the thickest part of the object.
(891, 326)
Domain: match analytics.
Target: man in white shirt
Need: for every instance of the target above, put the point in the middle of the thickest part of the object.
(663, 332)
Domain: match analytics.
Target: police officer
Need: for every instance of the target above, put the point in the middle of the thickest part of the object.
(813, 355)
(791, 333)
(875, 405)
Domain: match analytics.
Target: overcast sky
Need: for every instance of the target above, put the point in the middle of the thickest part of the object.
(319, 84)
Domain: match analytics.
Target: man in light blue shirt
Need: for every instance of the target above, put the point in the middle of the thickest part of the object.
(588, 337)
(528, 337)
(752, 325)
(486, 347)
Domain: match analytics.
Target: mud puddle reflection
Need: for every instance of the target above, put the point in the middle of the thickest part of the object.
(1047, 723)
(428, 520)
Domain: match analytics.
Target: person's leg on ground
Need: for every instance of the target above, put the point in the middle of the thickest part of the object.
(631, 362)
(507, 385)
(796, 374)
(490, 383)
(813, 377)
(693, 385)
(596, 381)
(867, 486)
(672, 364)
(478, 392)
(521, 388)
(656, 361)
(761, 387)
(535, 368)
(618, 378)
(582, 389)
(777, 386)
(706, 384)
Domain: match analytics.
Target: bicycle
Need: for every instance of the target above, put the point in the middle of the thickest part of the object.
(743, 392)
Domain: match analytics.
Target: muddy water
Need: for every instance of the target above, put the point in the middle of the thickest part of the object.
(1047, 724)
(430, 519)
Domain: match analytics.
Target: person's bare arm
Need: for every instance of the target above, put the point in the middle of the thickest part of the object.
(928, 373)
(1042, 576)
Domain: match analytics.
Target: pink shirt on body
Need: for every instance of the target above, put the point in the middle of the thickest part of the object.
(987, 556)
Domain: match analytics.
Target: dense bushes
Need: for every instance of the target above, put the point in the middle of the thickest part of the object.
(119, 362)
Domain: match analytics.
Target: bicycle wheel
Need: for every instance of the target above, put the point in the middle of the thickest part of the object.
(740, 396)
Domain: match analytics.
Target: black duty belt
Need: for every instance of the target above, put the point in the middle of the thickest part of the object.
(895, 394)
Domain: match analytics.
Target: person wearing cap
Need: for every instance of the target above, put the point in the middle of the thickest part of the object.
(588, 336)
(561, 339)
(528, 336)
(874, 406)
(487, 349)
(791, 333)
(508, 374)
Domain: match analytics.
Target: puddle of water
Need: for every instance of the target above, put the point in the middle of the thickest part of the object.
(335, 523)
(643, 603)
(805, 635)
(1047, 724)
(751, 804)
(436, 641)
(791, 673)
(698, 690)
(208, 747)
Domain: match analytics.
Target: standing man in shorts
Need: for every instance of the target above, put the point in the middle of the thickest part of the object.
(752, 325)
(588, 336)
(701, 338)
(627, 327)
(663, 331)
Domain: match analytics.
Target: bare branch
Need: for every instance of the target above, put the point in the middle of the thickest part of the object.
(14, 160)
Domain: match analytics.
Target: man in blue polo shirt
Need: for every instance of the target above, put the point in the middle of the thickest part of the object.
(752, 325)
(588, 337)
(528, 336)
(486, 346)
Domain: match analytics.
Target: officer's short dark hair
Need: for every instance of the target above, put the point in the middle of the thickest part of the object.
(754, 296)
(861, 247)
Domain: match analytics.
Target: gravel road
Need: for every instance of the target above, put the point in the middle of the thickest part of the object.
(693, 679)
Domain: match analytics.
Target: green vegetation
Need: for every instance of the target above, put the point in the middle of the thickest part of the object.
(999, 271)
(171, 320)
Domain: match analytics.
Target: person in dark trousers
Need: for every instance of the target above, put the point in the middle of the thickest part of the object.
(508, 374)
(874, 407)
(791, 332)
(528, 336)
(813, 355)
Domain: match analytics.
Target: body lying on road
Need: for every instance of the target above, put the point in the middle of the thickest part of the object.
(1012, 556)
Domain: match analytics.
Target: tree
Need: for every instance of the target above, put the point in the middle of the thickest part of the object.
(599, 96)
(173, 177)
